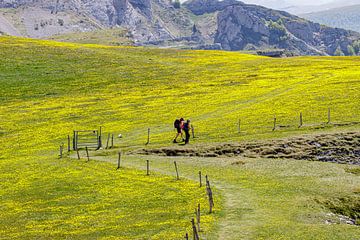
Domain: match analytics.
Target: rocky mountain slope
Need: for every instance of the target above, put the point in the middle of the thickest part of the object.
(146, 20)
(206, 24)
(345, 17)
(241, 26)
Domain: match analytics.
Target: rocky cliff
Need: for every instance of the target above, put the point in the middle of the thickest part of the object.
(146, 20)
(207, 24)
(250, 27)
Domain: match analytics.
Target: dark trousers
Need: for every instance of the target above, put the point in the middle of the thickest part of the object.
(187, 136)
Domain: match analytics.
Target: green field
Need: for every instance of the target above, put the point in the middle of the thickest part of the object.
(48, 89)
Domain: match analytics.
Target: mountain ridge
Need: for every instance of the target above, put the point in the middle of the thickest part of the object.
(200, 24)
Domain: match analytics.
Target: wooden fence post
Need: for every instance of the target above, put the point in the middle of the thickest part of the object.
(200, 179)
(112, 140)
(195, 233)
(193, 131)
(76, 139)
(78, 154)
(107, 141)
(68, 143)
(187, 236)
(301, 119)
(61, 151)
(197, 212)
(176, 169)
(99, 143)
(147, 168)
(148, 137)
(87, 153)
(74, 147)
(274, 123)
(100, 138)
(119, 159)
(329, 116)
(209, 193)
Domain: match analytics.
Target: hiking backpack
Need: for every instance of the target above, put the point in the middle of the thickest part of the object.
(177, 123)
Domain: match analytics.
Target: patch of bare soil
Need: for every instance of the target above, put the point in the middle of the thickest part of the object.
(335, 147)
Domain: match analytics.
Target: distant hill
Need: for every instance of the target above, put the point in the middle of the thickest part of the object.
(197, 24)
(304, 9)
(345, 17)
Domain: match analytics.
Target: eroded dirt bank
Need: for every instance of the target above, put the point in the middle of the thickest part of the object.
(334, 147)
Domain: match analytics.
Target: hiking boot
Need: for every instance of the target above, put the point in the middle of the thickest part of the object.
(174, 141)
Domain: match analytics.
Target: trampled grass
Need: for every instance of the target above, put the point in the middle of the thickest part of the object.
(49, 89)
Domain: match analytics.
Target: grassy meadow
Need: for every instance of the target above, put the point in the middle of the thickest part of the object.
(48, 89)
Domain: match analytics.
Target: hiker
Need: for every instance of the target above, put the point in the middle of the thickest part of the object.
(178, 125)
(187, 128)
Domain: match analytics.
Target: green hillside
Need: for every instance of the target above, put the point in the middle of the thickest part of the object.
(50, 88)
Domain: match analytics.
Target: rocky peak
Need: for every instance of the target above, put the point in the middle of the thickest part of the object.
(200, 7)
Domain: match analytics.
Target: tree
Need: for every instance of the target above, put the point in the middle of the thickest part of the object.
(356, 46)
(339, 52)
(351, 50)
(177, 4)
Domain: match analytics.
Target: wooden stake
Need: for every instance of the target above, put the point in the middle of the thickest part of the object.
(193, 131)
(61, 151)
(274, 123)
(176, 169)
(69, 143)
(195, 233)
(107, 141)
(187, 236)
(119, 160)
(78, 154)
(99, 143)
(209, 193)
(197, 212)
(200, 179)
(87, 153)
(147, 168)
(100, 136)
(74, 145)
(112, 140)
(301, 119)
(329, 116)
(148, 137)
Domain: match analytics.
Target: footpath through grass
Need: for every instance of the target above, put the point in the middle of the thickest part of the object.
(49, 89)
(270, 199)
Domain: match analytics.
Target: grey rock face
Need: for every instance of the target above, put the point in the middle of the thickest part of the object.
(200, 7)
(241, 25)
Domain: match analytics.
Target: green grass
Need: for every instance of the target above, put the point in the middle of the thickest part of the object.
(270, 199)
(111, 37)
(49, 89)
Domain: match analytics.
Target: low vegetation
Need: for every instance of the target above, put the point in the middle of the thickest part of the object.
(110, 37)
(51, 88)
